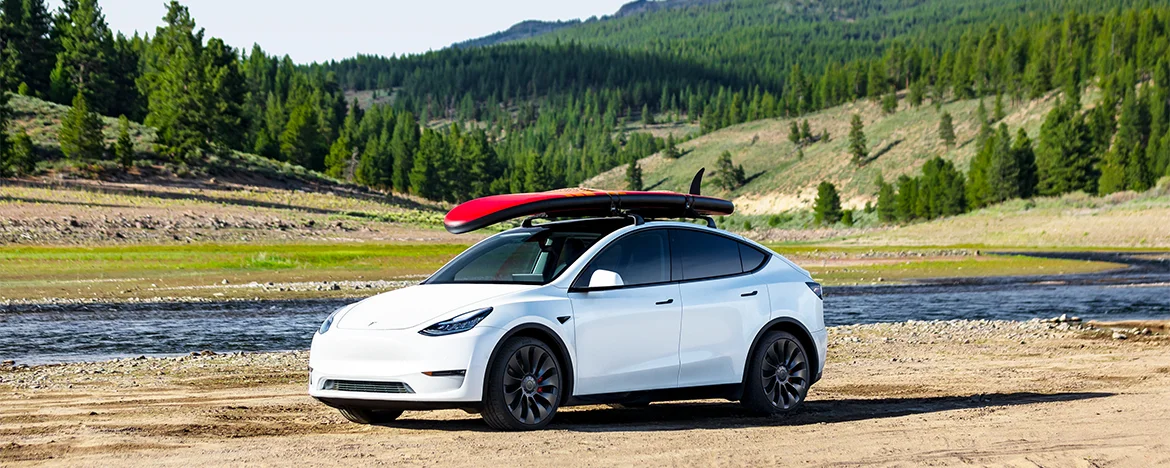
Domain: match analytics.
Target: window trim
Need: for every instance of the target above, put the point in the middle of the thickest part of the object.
(767, 258)
(581, 274)
(573, 288)
(531, 230)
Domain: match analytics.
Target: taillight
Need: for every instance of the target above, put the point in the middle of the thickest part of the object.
(817, 289)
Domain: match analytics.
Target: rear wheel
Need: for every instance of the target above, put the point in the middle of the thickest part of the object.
(368, 416)
(523, 388)
(778, 374)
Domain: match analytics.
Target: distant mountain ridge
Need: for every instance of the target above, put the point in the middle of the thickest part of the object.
(532, 28)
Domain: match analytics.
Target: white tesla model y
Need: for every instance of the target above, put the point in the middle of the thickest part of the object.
(585, 311)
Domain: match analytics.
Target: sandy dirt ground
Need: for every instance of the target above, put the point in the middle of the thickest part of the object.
(919, 393)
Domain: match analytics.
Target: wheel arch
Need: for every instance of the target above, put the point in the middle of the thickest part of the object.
(797, 329)
(549, 337)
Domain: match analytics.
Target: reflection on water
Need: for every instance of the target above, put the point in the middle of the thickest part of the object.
(43, 334)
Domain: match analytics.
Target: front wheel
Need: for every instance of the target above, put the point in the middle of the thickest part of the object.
(778, 375)
(367, 416)
(523, 387)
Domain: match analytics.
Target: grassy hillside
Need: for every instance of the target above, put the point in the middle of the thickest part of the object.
(1121, 220)
(781, 180)
(42, 120)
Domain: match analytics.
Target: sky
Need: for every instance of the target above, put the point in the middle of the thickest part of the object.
(311, 31)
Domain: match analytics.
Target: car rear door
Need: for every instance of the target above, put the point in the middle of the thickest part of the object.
(627, 337)
(723, 305)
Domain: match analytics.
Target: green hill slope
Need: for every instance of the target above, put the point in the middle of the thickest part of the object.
(779, 179)
(42, 121)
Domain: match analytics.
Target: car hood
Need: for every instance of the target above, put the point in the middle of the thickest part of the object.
(421, 305)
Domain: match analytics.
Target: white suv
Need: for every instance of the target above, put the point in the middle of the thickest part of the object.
(611, 310)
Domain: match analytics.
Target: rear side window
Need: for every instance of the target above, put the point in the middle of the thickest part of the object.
(750, 258)
(702, 255)
(641, 258)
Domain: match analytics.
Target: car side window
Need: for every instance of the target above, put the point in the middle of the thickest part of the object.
(640, 258)
(702, 255)
(750, 257)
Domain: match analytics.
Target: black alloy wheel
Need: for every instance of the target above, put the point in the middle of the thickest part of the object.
(524, 386)
(779, 375)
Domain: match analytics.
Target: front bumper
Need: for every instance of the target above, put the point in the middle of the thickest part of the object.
(401, 356)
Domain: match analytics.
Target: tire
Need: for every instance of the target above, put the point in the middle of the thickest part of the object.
(778, 375)
(367, 416)
(524, 384)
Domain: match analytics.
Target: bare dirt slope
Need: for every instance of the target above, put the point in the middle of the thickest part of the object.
(999, 393)
(170, 211)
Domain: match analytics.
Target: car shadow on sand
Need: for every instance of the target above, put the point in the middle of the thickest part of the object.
(693, 415)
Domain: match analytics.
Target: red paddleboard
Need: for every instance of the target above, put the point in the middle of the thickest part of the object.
(581, 202)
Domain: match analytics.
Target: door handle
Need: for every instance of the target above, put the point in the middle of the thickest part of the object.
(668, 301)
(749, 294)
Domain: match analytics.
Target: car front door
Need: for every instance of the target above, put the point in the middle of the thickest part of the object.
(724, 306)
(627, 335)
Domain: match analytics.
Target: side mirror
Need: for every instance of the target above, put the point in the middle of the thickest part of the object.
(605, 279)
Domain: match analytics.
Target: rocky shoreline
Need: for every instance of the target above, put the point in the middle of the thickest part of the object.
(1060, 392)
(142, 370)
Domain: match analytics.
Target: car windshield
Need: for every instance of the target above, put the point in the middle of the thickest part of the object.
(522, 256)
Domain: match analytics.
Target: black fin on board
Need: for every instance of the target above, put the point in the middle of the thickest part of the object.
(697, 182)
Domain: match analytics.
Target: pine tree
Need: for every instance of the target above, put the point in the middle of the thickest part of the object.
(1116, 174)
(999, 112)
(917, 92)
(886, 208)
(536, 174)
(979, 190)
(846, 218)
(940, 190)
(985, 130)
(300, 143)
(124, 146)
(890, 102)
(1137, 170)
(827, 207)
(81, 131)
(857, 144)
(403, 146)
(482, 165)
(1003, 173)
(7, 153)
(223, 101)
(647, 116)
(1026, 161)
(372, 164)
(83, 64)
(794, 133)
(23, 159)
(633, 176)
(671, 151)
(1063, 160)
(906, 199)
(424, 180)
(337, 161)
(25, 31)
(946, 130)
(728, 175)
(172, 78)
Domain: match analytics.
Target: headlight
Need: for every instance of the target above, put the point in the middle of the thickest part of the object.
(460, 323)
(329, 320)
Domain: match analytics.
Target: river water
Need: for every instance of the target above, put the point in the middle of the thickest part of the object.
(83, 332)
